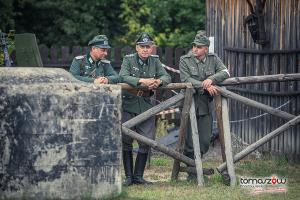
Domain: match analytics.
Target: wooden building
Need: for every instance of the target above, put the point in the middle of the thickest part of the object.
(260, 37)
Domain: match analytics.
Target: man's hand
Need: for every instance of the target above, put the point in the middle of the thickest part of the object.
(212, 90)
(101, 80)
(147, 81)
(206, 83)
(155, 84)
(151, 83)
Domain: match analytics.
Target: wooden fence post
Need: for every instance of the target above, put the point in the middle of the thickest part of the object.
(182, 130)
(218, 106)
(227, 142)
(196, 144)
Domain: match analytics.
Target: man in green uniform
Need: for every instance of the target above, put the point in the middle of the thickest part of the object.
(93, 67)
(203, 70)
(140, 69)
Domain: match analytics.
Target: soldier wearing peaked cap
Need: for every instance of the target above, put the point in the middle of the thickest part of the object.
(140, 68)
(203, 70)
(93, 67)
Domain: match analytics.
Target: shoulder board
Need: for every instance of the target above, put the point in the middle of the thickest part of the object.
(212, 54)
(129, 55)
(105, 61)
(186, 56)
(155, 56)
(79, 57)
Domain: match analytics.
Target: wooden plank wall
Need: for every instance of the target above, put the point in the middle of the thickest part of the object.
(280, 55)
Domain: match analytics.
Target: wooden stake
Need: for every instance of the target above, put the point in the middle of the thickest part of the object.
(218, 105)
(183, 129)
(227, 142)
(196, 144)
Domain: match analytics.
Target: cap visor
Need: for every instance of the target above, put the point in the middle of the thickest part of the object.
(199, 43)
(145, 43)
(102, 46)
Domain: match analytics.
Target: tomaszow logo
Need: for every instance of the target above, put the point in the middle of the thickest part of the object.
(268, 184)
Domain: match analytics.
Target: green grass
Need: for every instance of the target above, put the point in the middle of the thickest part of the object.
(165, 189)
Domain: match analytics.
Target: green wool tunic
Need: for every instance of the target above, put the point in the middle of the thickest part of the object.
(131, 71)
(195, 71)
(85, 69)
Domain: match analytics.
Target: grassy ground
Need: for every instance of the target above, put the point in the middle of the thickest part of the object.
(163, 188)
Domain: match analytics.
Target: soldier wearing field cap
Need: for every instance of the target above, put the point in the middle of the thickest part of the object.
(93, 67)
(140, 69)
(203, 70)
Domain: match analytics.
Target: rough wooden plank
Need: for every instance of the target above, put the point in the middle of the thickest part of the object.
(233, 81)
(155, 145)
(196, 144)
(171, 86)
(255, 104)
(227, 142)
(261, 79)
(53, 55)
(182, 130)
(154, 110)
(218, 106)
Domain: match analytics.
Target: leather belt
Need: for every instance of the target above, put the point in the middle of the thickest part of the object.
(140, 93)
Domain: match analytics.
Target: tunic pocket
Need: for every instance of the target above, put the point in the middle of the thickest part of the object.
(209, 73)
(194, 72)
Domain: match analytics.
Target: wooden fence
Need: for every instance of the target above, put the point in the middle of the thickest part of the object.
(222, 112)
(62, 56)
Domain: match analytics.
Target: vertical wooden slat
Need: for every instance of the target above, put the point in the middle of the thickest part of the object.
(76, 51)
(218, 106)
(182, 130)
(227, 142)
(65, 54)
(44, 50)
(169, 56)
(196, 144)
(54, 55)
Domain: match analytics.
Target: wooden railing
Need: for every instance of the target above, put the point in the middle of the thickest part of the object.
(188, 111)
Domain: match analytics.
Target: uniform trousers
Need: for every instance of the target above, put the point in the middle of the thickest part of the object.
(145, 128)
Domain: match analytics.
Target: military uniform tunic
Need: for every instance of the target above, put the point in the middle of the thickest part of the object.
(195, 71)
(85, 69)
(132, 69)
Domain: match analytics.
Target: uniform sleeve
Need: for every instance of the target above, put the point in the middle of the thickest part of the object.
(221, 72)
(75, 71)
(162, 74)
(185, 74)
(112, 75)
(125, 73)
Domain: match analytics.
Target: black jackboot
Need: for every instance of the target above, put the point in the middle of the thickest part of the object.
(128, 168)
(139, 168)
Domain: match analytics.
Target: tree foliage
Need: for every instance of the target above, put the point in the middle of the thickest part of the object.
(173, 22)
(75, 22)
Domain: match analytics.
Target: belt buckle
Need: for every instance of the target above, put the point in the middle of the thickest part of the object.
(140, 93)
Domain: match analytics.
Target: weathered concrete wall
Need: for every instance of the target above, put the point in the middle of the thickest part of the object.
(59, 138)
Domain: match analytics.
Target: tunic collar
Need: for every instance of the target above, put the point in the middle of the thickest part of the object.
(200, 61)
(89, 59)
(142, 62)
